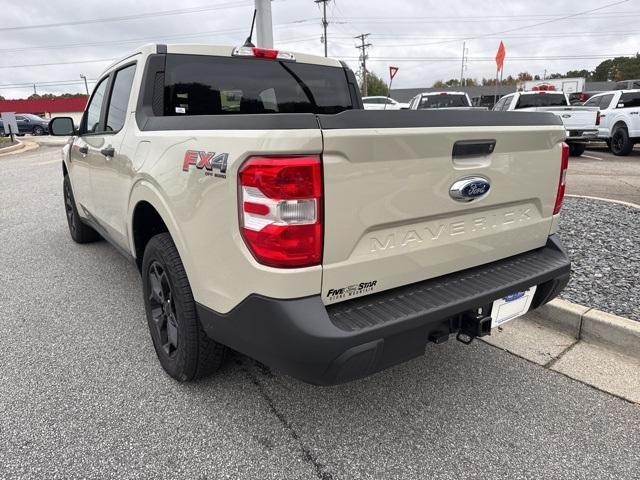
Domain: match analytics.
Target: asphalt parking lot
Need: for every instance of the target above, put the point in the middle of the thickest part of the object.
(599, 173)
(83, 395)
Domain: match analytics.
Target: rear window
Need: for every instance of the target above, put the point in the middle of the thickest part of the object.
(443, 101)
(205, 85)
(542, 100)
(629, 100)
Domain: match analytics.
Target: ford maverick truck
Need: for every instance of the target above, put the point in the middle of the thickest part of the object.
(269, 213)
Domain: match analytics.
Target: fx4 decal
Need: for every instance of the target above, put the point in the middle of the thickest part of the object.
(206, 160)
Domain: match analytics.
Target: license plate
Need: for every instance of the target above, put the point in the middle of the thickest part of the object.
(512, 306)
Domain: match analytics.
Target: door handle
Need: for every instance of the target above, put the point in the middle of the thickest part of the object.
(108, 152)
(473, 148)
(83, 150)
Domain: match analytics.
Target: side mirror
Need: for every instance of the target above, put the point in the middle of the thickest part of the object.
(62, 127)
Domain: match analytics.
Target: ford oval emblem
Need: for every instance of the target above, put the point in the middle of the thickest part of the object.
(469, 189)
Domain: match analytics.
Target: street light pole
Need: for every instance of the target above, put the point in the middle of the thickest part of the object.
(86, 87)
(264, 24)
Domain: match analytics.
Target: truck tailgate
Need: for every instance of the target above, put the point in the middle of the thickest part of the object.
(389, 217)
(574, 118)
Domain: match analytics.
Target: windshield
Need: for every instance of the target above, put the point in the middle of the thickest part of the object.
(542, 100)
(206, 85)
(443, 101)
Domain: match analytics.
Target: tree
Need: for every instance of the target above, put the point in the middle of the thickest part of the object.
(439, 84)
(584, 73)
(376, 86)
(619, 68)
(524, 76)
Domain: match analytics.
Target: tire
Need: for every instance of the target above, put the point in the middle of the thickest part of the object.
(79, 231)
(38, 130)
(577, 149)
(183, 348)
(621, 144)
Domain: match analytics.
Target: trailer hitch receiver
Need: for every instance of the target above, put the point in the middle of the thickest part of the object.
(474, 323)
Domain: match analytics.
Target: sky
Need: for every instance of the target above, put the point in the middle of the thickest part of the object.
(52, 43)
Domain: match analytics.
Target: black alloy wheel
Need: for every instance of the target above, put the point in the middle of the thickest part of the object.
(163, 311)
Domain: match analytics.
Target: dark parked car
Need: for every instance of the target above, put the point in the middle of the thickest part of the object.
(28, 123)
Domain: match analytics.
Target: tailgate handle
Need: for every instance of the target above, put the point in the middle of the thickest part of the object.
(473, 148)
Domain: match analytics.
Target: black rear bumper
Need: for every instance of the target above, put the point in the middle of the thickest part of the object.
(352, 339)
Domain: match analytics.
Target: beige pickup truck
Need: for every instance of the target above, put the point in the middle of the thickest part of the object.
(269, 213)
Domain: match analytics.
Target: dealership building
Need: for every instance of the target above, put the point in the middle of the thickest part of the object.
(48, 107)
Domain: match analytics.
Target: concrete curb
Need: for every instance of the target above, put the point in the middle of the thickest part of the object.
(12, 148)
(593, 326)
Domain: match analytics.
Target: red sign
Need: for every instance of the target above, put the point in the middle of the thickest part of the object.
(502, 52)
(393, 71)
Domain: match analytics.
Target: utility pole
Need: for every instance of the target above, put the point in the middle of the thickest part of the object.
(324, 23)
(363, 57)
(464, 60)
(86, 87)
(35, 92)
(264, 24)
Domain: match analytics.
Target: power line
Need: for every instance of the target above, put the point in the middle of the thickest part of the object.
(363, 58)
(58, 63)
(546, 22)
(145, 15)
(146, 39)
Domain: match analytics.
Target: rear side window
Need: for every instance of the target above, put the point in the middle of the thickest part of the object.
(542, 100)
(117, 113)
(443, 101)
(629, 100)
(206, 85)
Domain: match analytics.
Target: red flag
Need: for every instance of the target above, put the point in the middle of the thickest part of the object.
(502, 52)
(393, 71)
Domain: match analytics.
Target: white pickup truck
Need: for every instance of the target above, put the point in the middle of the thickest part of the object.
(268, 212)
(581, 123)
(619, 119)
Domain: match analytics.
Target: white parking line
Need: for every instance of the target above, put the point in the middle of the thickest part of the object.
(593, 158)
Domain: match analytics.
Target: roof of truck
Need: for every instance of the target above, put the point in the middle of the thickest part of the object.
(215, 50)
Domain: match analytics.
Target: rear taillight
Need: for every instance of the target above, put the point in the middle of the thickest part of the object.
(598, 118)
(280, 201)
(564, 164)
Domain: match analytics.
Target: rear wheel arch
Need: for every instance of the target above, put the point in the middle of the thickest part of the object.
(146, 222)
(148, 210)
(619, 124)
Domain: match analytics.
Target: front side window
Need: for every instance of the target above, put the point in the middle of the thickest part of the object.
(593, 102)
(119, 101)
(207, 85)
(605, 101)
(94, 109)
